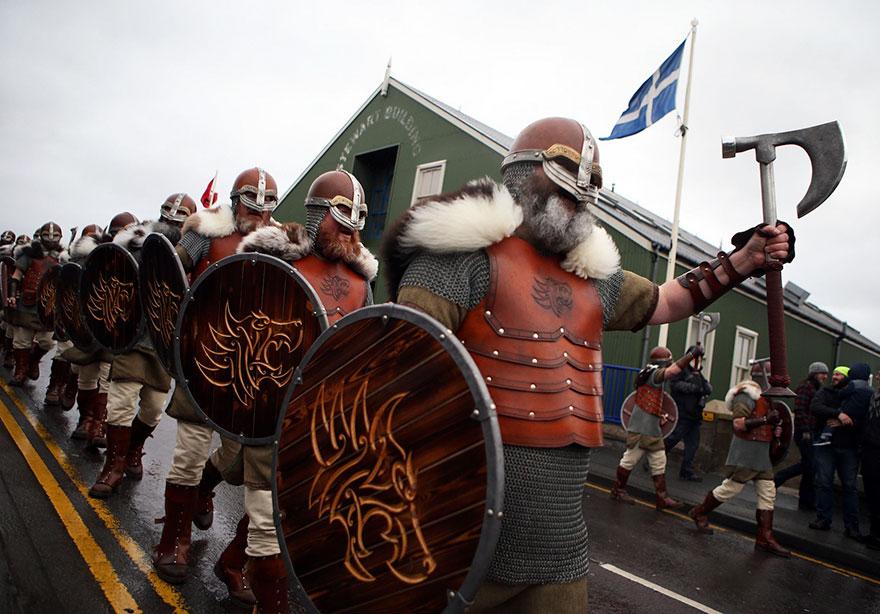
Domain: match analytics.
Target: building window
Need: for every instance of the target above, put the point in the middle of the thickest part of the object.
(693, 334)
(744, 347)
(429, 180)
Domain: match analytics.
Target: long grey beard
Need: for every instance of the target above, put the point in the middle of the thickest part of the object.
(552, 226)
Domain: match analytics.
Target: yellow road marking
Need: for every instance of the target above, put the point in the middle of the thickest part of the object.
(168, 594)
(120, 599)
(840, 570)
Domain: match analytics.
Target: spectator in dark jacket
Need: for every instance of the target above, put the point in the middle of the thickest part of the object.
(803, 437)
(871, 469)
(844, 407)
(689, 390)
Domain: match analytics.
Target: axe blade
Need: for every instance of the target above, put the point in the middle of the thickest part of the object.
(826, 147)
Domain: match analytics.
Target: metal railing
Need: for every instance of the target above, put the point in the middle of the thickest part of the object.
(617, 382)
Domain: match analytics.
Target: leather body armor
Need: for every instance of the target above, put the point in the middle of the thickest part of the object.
(31, 279)
(220, 248)
(340, 289)
(536, 337)
(761, 433)
(650, 399)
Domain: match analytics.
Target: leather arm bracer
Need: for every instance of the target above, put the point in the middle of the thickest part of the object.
(753, 423)
(706, 271)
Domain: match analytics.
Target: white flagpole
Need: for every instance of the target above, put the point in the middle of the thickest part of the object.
(673, 249)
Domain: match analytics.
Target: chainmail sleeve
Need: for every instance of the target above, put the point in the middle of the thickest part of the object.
(462, 279)
(195, 245)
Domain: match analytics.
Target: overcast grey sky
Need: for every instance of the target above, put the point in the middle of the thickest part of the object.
(108, 106)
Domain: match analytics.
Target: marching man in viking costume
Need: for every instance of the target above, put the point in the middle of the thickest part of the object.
(138, 383)
(207, 237)
(31, 339)
(643, 433)
(7, 245)
(528, 282)
(755, 423)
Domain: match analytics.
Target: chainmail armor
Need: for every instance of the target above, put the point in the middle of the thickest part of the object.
(314, 217)
(196, 246)
(462, 279)
(609, 293)
(543, 533)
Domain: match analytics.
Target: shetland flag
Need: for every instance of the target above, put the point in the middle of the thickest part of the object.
(654, 99)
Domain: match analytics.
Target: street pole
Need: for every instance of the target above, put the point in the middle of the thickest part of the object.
(673, 249)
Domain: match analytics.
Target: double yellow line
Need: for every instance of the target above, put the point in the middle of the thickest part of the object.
(117, 595)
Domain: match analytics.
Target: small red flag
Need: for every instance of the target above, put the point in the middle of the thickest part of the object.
(210, 197)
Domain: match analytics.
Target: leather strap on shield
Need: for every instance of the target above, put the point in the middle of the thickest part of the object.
(109, 298)
(241, 333)
(389, 468)
(163, 284)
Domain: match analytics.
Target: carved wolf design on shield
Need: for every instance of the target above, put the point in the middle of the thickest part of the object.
(162, 307)
(246, 352)
(110, 301)
(366, 482)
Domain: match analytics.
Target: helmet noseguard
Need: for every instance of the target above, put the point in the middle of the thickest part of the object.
(338, 190)
(50, 233)
(660, 356)
(7, 237)
(256, 189)
(567, 152)
(22, 240)
(121, 221)
(177, 208)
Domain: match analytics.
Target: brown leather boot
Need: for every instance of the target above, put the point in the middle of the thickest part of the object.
(204, 516)
(68, 389)
(268, 578)
(230, 568)
(114, 462)
(171, 555)
(700, 513)
(20, 371)
(618, 489)
(57, 379)
(134, 467)
(97, 429)
(8, 353)
(663, 501)
(764, 540)
(34, 359)
(85, 401)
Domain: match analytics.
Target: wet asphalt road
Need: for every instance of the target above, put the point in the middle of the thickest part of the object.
(42, 568)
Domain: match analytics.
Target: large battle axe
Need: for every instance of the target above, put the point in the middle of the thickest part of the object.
(827, 150)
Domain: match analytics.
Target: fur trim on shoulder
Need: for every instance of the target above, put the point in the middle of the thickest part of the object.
(133, 237)
(82, 247)
(480, 214)
(64, 256)
(596, 257)
(18, 250)
(365, 264)
(289, 242)
(33, 250)
(749, 387)
(212, 223)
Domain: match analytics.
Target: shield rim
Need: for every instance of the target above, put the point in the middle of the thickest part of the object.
(157, 237)
(39, 292)
(666, 395)
(790, 441)
(184, 304)
(92, 346)
(104, 247)
(491, 528)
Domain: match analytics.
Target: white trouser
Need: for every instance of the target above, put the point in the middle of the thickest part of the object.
(23, 338)
(122, 403)
(60, 348)
(94, 375)
(262, 539)
(632, 456)
(190, 453)
(764, 489)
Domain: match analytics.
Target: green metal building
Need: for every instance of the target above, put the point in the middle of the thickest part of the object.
(403, 144)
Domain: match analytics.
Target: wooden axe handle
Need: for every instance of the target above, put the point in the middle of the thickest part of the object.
(779, 379)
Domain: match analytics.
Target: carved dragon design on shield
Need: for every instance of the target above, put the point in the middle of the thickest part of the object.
(47, 298)
(110, 301)
(68, 304)
(244, 353)
(367, 478)
(162, 307)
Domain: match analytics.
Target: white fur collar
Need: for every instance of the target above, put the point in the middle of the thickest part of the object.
(476, 220)
(748, 387)
(212, 223)
(366, 264)
(82, 247)
(132, 238)
(288, 242)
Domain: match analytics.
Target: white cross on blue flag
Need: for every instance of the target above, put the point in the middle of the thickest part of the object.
(654, 99)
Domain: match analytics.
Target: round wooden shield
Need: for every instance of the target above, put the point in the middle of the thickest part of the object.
(68, 309)
(389, 468)
(780, 445)
(668, 417)
(47, 290)
(109, 298)
(241, 332)
(163, 284)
